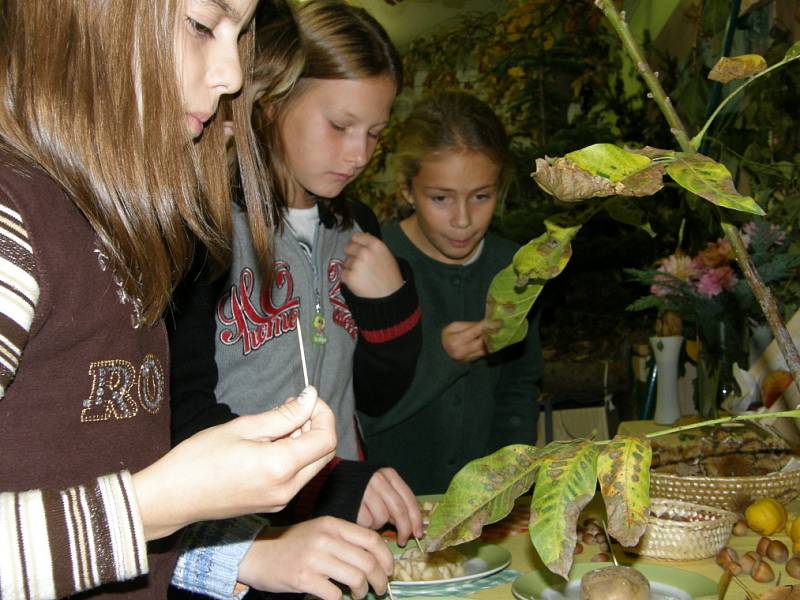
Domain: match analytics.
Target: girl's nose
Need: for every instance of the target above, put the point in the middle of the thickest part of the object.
(225, 72)
(461, 215)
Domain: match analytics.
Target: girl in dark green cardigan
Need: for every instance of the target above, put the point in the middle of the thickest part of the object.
(453, 164)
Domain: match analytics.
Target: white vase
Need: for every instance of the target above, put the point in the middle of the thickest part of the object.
(666, 351)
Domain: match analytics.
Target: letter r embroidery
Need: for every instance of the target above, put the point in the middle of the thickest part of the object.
(112, 382)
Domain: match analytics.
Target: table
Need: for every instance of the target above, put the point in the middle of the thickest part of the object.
(525, 559)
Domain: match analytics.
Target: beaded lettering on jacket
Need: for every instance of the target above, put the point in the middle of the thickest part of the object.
(254, 322)
(253, 317)
(341, 312)
(119, 389)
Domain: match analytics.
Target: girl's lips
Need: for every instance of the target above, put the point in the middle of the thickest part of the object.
(459, 243)
(195, 125)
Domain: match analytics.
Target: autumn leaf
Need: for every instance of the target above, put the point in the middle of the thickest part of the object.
(710, 180)
(515, 288)
(623, 470)
(737, 67)
(482, 492)
(565, 484)
(598, 171)
(608, 161)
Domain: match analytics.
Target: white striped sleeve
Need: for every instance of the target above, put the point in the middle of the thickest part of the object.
(56, 544)
(19, 290)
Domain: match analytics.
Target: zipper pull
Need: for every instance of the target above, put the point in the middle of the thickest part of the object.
(318, 337)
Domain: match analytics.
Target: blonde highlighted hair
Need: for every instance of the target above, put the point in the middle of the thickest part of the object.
(452, 121)
(89, 92)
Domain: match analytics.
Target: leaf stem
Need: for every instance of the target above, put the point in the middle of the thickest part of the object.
(698, 139)
(762, 293)
(733, 419)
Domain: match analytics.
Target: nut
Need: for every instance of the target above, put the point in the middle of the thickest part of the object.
(763, 572)
(777, 551)
(587, 538)
(600, 557)
(749, 561)
(578, 548)
(761, 547)
(726, 556)
(740, 528)
(734, 568)
(793, 567)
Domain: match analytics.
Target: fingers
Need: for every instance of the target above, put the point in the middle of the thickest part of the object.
(371, 542)
(279, 421)
(409, 500)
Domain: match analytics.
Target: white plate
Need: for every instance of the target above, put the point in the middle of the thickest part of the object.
(482, 560)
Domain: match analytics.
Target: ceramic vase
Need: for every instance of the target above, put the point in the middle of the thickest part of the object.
(666, 351)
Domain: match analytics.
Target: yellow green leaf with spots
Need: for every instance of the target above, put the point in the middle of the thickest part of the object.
(515, 288)
(482, 492)
(623, 470)
(565, 484)
(710, 180)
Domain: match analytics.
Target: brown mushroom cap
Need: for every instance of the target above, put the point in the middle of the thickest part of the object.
(615, 583)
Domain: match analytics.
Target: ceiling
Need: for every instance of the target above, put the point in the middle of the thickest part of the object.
(410, 18)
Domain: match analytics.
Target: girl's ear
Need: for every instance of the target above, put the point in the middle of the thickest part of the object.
(405, 190)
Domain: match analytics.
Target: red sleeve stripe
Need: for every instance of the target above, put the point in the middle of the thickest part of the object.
(379, 336)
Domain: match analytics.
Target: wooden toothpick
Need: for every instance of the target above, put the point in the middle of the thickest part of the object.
(416, 539)
(302, 353)
(389, 589)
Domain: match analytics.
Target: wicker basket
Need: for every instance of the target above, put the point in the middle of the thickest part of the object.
(729, 493)
(684, 531)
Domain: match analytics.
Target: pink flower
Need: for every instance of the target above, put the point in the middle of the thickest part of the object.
(715, 281)
(679, 266)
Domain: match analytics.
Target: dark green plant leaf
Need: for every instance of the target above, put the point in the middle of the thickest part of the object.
(710, 180)
(730, 68)
(625, 211)
(514, 289)
(623, 470)
(482, 492)
(565, 484)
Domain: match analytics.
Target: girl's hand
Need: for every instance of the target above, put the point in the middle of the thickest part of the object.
(388, 499)
(463, 341)
(370, 270)
(252, 464)
(305, 557)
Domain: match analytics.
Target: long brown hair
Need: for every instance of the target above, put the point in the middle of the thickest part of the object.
(89, 93)
(336, 41)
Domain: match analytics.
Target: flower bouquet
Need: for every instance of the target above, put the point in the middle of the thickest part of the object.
(703, 298)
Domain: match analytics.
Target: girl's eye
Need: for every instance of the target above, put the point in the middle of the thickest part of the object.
(439, 198)
(337, 127)
(482, 197)
(198, 29)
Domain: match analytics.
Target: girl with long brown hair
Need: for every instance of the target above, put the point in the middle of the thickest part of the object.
(111, 167)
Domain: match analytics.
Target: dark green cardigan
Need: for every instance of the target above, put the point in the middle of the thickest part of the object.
(453, 413)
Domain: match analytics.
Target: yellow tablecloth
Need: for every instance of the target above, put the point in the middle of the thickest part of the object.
(525, 559)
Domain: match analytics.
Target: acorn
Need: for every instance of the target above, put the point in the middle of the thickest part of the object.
(740, 528)
(749, 561)
(793, 567)
(727, 555)
(762, 572)
(777, 551)
(762, 545)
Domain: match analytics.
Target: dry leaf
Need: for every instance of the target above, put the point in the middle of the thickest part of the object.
(737, 67)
